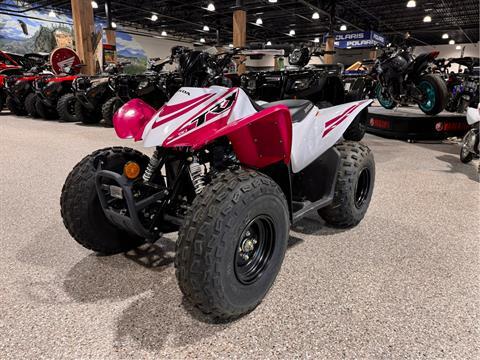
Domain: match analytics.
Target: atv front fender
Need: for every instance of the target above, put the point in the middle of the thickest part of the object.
(258, 140)
(130, 120)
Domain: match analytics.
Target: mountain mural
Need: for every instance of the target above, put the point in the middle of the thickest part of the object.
(22, 35)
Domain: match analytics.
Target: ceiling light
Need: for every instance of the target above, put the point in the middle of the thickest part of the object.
(272, 1)
(230, 45)
(202, 40)
(206, 28)
(316, 40)
(114, 25)
(259, 21)
(411, 4)
(94, 5)
(269, 43)
(458, 47)
(452, 42)
(154, 17)
(52, 13)
(211, 7)
(343, 27)
(445, 36)
(164, 33)
(291, 32)
(315, 16)
(427, 18)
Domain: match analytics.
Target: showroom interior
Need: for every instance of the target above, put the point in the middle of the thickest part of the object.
(246, 179)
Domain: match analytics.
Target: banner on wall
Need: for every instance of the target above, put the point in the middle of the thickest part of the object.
(357, 39)
(109, 54)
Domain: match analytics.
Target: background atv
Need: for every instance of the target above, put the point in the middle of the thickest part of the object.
(320, 84)
(54, 95)
(20, 89)
(91, 92)
(231, 176)
(151, 86)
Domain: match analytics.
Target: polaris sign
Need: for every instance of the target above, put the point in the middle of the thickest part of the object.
(357, 39)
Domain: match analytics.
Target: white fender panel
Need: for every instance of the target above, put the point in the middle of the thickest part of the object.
(320, 130)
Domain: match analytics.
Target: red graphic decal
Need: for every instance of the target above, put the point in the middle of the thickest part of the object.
(333, 123)
(185, 107)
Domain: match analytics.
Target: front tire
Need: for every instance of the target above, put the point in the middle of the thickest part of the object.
(81, 211)
(110, 108)
(435, 91)
(85, 116)
(385, 100)
(14, 107)
(44, 111)
(468, 144)
(232, 243)
(353, 188)
(66, 108)
(30, 101)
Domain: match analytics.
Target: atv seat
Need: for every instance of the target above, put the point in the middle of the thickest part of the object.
(298, 108)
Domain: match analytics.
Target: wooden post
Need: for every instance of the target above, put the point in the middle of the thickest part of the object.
(84, 27)
(329, 46)
(240, 33)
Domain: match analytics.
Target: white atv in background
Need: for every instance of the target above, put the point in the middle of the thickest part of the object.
(231, 176)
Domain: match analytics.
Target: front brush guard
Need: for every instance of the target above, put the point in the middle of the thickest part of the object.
(130, 223)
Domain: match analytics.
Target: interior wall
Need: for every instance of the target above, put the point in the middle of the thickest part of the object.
(450, 51)
(158, 47)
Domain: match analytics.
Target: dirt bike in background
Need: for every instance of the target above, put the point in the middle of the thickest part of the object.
(470, 144)
(404, 79)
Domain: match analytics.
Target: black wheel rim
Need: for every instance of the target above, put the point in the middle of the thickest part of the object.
(254, 249)
(362, 188)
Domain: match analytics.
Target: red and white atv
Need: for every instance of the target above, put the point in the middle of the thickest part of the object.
(231, 176)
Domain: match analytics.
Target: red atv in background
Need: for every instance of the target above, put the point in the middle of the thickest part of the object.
(19, 88)
(54, 95)
(8, 66)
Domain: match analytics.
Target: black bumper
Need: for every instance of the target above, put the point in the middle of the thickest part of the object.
(130, 222)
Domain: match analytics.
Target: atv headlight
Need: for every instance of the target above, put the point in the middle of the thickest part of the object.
(143, 84)
(301, 84)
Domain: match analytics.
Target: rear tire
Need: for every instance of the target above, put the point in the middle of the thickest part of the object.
(2, 100)
(44, 111)
(30, 101)
(14, 107)
(81, 211)
(110, 108)
(211, 268)
(66, 108)
(353, 188)
(435, 89)
(85, 116)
